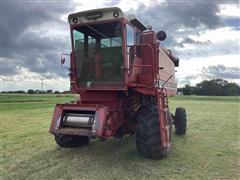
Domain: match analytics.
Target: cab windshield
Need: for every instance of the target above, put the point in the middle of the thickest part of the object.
(98, 54)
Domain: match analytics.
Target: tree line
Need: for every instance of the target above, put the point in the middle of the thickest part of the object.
(214, 87)
(32, 91)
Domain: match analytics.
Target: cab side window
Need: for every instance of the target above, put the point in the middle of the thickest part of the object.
(78, 40)
(130, 42)
(130, 35)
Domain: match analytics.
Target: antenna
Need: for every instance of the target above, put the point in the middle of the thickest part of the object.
(42, 79)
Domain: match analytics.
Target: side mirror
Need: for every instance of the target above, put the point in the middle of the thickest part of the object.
(62, 61)
(161, 35)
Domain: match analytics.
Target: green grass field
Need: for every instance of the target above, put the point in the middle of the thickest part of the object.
(210, 150)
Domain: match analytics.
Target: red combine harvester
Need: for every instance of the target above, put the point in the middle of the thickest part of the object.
(124, 77)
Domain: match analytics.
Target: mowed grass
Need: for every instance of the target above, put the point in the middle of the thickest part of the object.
(210, 150)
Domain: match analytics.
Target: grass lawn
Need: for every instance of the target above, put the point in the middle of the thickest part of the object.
(210, 150)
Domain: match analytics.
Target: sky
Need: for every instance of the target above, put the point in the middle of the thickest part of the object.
(204, 34)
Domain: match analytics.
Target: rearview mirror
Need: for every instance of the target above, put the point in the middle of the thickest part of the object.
(62, 61)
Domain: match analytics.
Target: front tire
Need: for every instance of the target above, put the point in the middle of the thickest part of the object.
(180, 121)
(148, 140)
(68, 141)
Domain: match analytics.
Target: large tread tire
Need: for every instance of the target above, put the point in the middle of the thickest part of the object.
(148, 140)
(70, 141)
(180, 121)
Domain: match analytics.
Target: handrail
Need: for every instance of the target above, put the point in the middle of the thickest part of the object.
(141, 65)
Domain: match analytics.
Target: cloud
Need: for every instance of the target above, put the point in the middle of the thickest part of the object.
(112, 3)
(213, 42)
(26, 79)
(184, 14)
(27, 39)
(220, 72)
(8, 66)
(188, 40)
(230, 9)
(193, 14)
(19, 15)
(186, 22)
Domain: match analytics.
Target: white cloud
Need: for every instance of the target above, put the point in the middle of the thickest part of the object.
(218, 35)
(215, 42)
(87, 5)
(124, 5)
(229, 10)
(128, 5)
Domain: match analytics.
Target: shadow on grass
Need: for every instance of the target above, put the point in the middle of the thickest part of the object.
(111, 148)
(108, 152)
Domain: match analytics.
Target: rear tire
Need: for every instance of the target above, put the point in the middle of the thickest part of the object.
(148, 140)
(180, 121)
(65, 140)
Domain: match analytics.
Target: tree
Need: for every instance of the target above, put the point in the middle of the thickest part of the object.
(30, 91)
(232, 89)
(37, 91)
(66, 92)
(187, 90)
(216, 87)
(49, 91)
(56, 92)
(19, 91)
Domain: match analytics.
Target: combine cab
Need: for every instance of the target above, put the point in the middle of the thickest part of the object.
(124, 77)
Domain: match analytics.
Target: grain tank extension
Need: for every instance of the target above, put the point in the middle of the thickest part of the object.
(124, 76)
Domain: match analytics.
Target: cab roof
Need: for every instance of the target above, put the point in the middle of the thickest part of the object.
(97, 15)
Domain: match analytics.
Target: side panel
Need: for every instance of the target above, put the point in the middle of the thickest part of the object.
(56, 115)
(166, 70)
